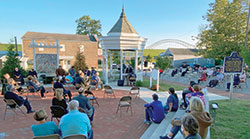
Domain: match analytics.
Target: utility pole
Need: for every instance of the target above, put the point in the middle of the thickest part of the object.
(247, 25)
(16, 45)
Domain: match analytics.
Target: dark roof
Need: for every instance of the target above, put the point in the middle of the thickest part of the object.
(122, 25)
(56, 36)
(183, 51)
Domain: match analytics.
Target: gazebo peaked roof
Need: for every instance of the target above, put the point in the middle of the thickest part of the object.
(122, 25)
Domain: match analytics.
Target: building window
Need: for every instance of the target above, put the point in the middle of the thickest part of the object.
(40, 49)
(63, 47)
(81, 48)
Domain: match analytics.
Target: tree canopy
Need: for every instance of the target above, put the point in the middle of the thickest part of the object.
(225, 31)
(162, 62)
(88, 26)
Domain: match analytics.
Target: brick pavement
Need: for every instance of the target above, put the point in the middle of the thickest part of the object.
(106, 123)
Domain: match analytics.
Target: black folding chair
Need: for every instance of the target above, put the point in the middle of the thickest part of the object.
(57, 112)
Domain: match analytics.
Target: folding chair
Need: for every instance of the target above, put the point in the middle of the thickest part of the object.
(135, 91)
(91, 97)
(32, 90)
(75, 137)
(93, 84)
(57, 112)
(108, 91)
(11, 105)
(54, 136)
(125, 102)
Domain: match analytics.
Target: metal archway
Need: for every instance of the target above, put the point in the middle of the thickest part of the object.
(170, 43)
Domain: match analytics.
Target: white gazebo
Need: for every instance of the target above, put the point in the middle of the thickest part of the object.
(122, 37)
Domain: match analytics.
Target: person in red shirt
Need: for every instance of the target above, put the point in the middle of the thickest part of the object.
(203, 77)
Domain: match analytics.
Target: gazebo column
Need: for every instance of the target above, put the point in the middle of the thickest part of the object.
(136, 60)
(121, 64)
(106, 67)
(142, 61)
(103, 68)
(111, 61)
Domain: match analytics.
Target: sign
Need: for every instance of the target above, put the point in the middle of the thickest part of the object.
(233, 63)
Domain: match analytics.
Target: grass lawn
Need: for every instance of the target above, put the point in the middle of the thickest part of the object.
(4, 47)
(163, 86)
(232, 120)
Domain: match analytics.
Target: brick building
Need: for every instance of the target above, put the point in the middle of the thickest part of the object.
(71, 44)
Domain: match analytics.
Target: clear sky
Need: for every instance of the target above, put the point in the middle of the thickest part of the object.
(153, 19)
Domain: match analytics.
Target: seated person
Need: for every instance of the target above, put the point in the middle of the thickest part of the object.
(203, 77)
(235, 83)
(154, 111)
(190, 127)
(99, 81)
(58, 84)
(213, 83)
(87, 72)
(36, 87)
(75, 122)
(33, 73)
(58, 99)
(13, 85)
(83, 81)
(18, 76)
(43, 128)
(198, 112)
(84, 103)
(69, 79)
(220, 77)
(93, 71)
(19, 100)
(198, 93)
(210, 72)
(243, 77)
(132, 78)
(5, 82)
(187, 91)
(172, 102)
(174, 72)
(72, 71)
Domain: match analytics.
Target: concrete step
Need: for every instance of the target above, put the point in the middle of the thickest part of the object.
(149, 131)
(162, 127)
(179, 114)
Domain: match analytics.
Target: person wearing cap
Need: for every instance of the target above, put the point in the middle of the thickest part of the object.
(43, 128)
(154, 111)
(187, 91)
(75, 122)
(58, 84)
(85, 104)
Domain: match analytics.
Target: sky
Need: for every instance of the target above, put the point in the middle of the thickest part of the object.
(152, 19)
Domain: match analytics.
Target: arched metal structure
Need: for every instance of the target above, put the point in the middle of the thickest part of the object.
(170, 43)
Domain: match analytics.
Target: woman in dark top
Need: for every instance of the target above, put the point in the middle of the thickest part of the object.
(58, 99)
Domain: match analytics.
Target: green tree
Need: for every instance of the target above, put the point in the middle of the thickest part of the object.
(225, 30)
(11, 62)
(162, 62)
(80, 63)
(88, 26)
(149, 58)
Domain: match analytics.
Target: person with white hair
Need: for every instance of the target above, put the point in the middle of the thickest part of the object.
(75, 122)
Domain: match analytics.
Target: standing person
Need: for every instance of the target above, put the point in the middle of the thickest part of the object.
(43, 128)
(33, 73)
(75, 122)
(5, 82)
(58, 84)
(172, 102)
(36, 87)
(18, 76)
(72, 71)
(84, 103)
(154, 111)
(60, 72)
